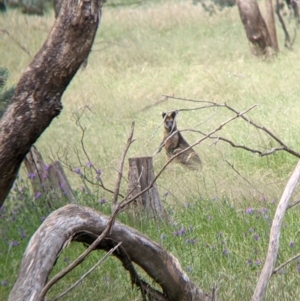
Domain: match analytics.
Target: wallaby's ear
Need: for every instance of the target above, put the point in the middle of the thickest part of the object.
(163, 114)
(173, 114)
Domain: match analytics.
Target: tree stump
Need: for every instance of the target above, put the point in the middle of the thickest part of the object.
(140, 176)
(49, 179)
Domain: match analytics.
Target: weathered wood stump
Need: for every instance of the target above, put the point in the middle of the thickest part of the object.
(140, 176)
(50, 179)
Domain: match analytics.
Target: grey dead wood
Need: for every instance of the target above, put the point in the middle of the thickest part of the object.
(262, 284)
(37, 99)
(49, 179)
(255, 27)
(47, 242)
(140, 175)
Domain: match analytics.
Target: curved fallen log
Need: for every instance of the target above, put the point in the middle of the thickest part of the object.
(37, 99)
(85, 225)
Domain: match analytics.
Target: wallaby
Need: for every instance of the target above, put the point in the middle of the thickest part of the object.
(174, 143)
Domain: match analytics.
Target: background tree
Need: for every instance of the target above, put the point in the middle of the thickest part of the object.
(37, 99)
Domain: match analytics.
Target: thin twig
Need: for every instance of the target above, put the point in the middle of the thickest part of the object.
(87, 273)
(285, 263)
(121, 166)
(5, 31)
(80, 258)
(282, 146)
(125, 203)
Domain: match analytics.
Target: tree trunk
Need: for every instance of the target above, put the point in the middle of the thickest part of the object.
(271, 24)
(140, 175)
(85, 225)
(37, 99)
(255, 27)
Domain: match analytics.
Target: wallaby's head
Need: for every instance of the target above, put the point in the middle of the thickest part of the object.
(169, 120)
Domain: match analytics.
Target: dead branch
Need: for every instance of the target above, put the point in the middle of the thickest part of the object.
(261, 287)
(70, 220)
(5, 31)
(287, 40)
(77, 116)
(87, 273)
(282, 147)
(293, 204)
(37, 99)
(276, 270)
(121, 165)
(124, 203)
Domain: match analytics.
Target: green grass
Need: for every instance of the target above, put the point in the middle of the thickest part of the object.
(215, 242)
(140, 53)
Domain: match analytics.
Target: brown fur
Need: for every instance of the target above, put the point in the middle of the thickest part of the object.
(174, 143)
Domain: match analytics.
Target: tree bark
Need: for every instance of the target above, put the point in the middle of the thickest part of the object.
(262, 284)
(271, 25)
(140, 175)
(37, 99)
(73, 221)
(255, 27)
(48, 179)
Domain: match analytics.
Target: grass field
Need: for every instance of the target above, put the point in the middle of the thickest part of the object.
(142, 52)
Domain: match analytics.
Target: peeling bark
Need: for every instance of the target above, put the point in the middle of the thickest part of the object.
(37, 99)
(72, 221)
(255, 27)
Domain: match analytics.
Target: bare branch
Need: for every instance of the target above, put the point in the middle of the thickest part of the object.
(282, 146)
(73, 221)
(5, 31)
(276, 270)
(87, 273)
(238, 114)
(293, 204)
(120, 170)
(261, 287)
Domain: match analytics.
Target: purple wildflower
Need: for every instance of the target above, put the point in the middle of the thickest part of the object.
(45, 176)
(14, 243)
(47, 167)
(102, 201)
(249, 210)
(292, 244)
(258, 262)
(251, 230)
(89, 164)
(180, 232)
(187, 205)
(77, 170)
(37, 195)
(4, 283)
(249, 262)
(256, 236)
(298, 268)
(31, 175)
(225, 252)
(263, 198)
(98, 172)
(163, 236)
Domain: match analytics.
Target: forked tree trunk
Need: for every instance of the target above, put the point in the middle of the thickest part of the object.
(140, 175)
(85, 225)
(255, 27)
(37, 99)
